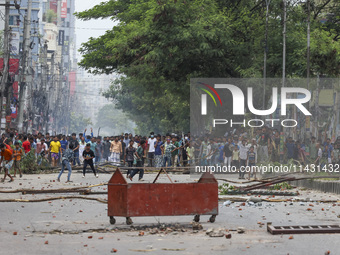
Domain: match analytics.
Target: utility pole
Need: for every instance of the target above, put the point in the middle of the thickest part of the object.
(265, 54)
(284, 43)
(5, 59)
(23, 74)
(61, 70)
(50, 94)
(308, 43)
(44, 81)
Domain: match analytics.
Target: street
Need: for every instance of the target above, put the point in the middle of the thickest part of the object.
(79, 226)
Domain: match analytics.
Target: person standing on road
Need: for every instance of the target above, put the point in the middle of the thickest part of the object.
(66, 158)
(243, 158)
(98, 151)
(168, 148)
(139, 154)
(55, 149)
(158, 152)
(127, 140)
(88, 156)
(116, 150)
(82, 145)
(251, 162)
(64, 143)
(26, 145)
(227, 153)
(123, 148)
(151, 148)
(129, 157)
(106, 148)
(6, 161)
(75, 146)
(264, 143)
(17, 154)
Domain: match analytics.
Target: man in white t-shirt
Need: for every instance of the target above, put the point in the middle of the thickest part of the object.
(151, 148)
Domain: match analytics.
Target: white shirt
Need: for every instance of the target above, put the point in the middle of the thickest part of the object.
(243, 151)
(151, 143)
(44, 147)
(320, 153)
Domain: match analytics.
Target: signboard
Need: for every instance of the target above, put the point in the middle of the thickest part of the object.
(63, 13)
(13, 65)
(14, 43)
(61, 37)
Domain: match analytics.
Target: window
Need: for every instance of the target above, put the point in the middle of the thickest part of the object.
(68, 10)
(14, 20)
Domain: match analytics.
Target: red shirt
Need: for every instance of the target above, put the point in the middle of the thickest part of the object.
(27, 146)
(6, 154)
(9, 148)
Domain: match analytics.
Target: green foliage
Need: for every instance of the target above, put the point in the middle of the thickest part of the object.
(225, 188)
(50, 16)
(29, 163)
(78, 122)
(158, 46)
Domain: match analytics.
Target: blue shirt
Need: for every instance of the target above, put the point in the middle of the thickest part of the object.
(64, 144)
(220, 157)
(329, 151)
(158, 150)
(93, 146)
(87, 140)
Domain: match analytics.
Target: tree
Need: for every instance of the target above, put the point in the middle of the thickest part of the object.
(78, 122)
(157, 46)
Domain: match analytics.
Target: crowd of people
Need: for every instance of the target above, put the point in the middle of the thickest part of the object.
(239, 148)
(236, 148)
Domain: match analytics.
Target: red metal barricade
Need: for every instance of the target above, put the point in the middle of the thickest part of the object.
(162, 199)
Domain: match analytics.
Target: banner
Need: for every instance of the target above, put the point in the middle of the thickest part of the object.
(63, 13)
(61, 37)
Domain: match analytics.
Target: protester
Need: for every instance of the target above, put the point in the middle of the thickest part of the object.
(66, 160)
(98, 151)
(129, 157)
(6, 161)
(151, 149)
(26, 145)
(116, 150)
(88, 156)
(55, 149)
(17, 155)
(75, 144)
(82, 145)
(139, 154)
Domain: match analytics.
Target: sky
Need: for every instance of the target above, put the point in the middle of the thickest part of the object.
(91, 28)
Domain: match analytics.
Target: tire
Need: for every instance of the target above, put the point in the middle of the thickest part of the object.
(212, 218)
(112, 220)
(128, 221)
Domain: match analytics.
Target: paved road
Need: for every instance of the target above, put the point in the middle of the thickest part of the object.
(67, 225)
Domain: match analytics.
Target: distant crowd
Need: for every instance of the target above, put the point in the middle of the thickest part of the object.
(235, 148)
